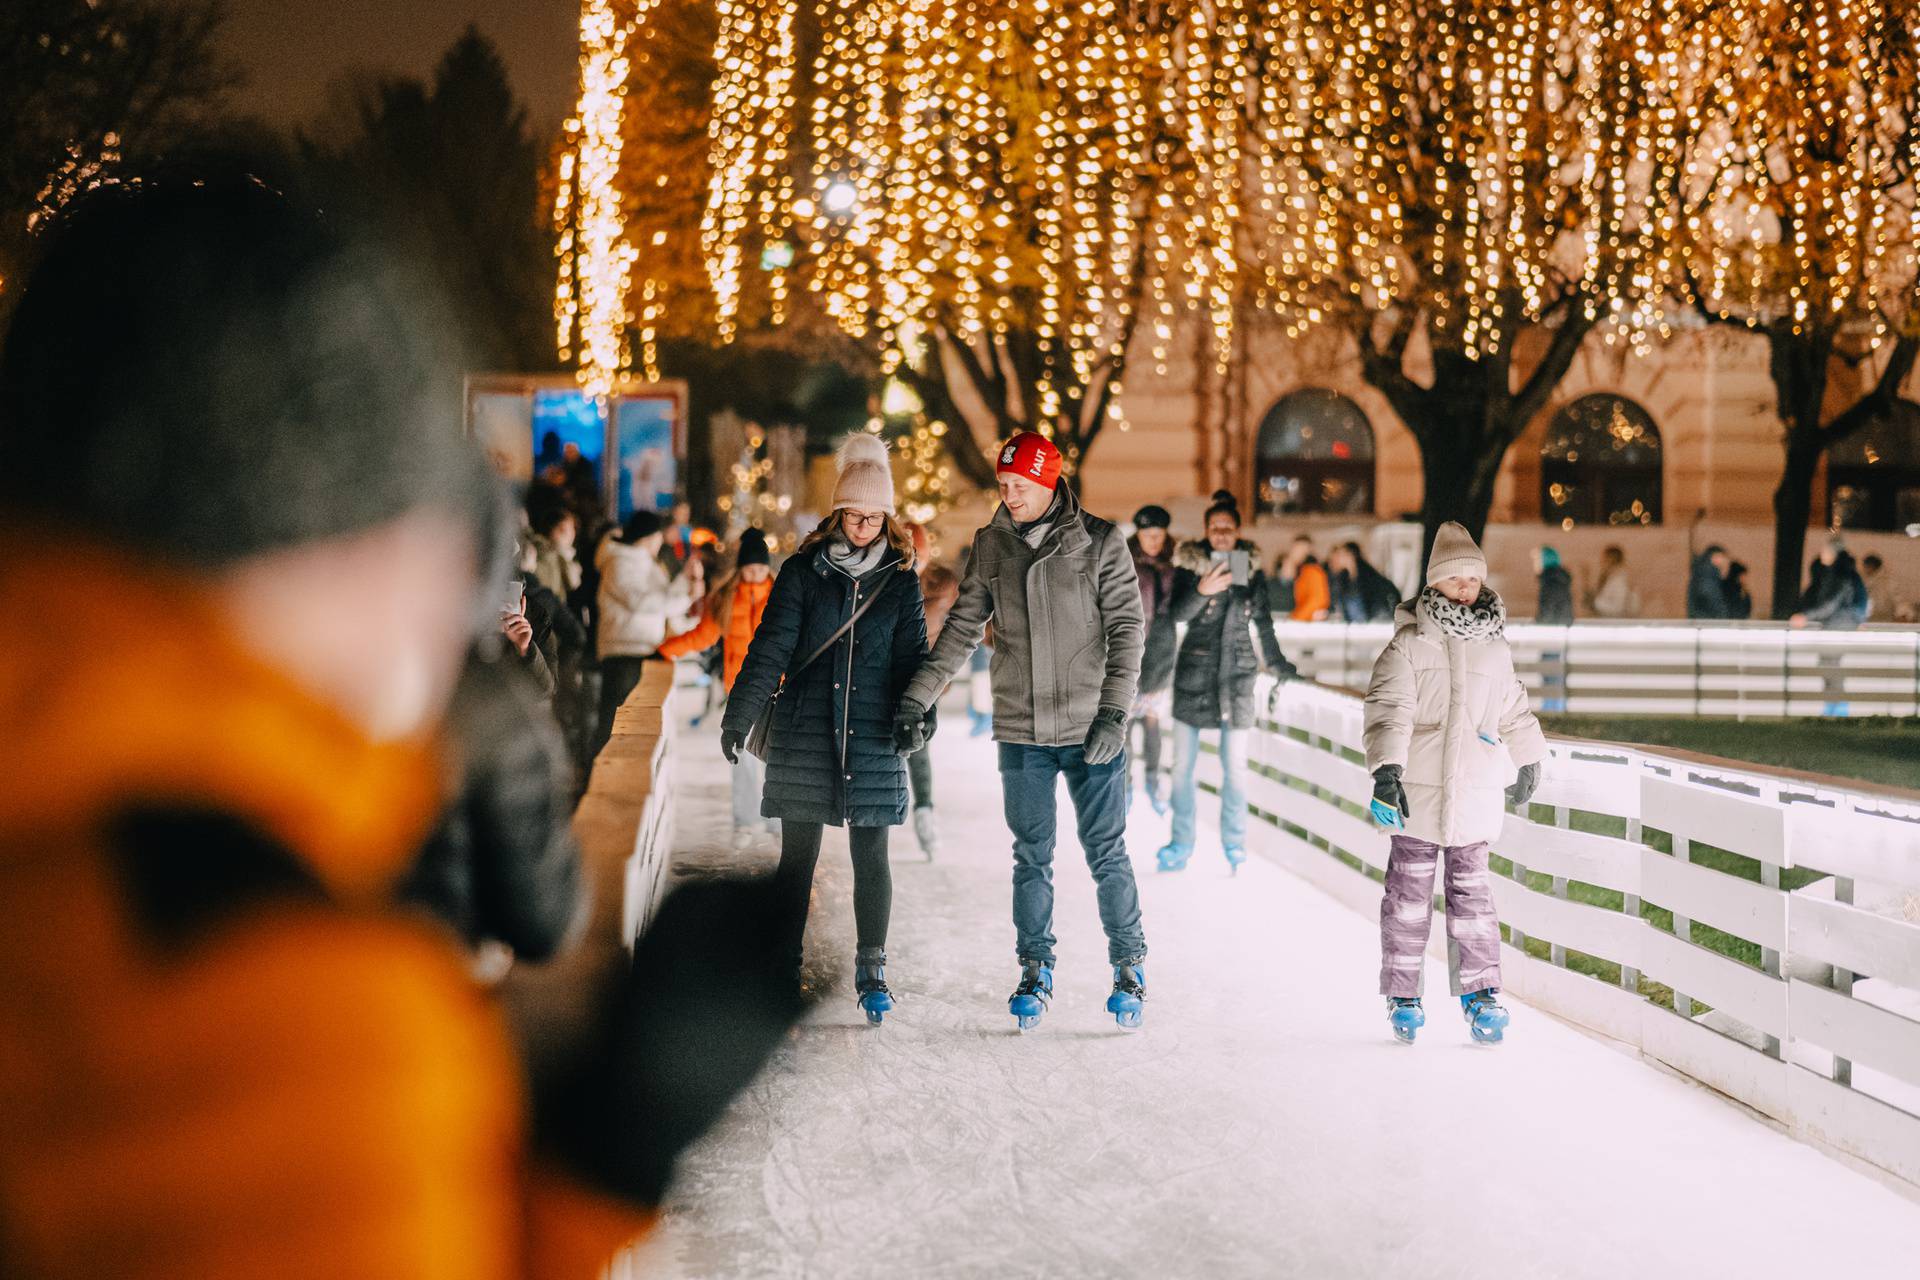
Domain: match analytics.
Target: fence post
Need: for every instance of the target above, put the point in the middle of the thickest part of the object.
(1630, 906)
(1682, 926)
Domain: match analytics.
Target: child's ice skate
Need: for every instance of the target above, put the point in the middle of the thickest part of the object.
(1029, 999)
(1405, 1016)
(1486, 1017)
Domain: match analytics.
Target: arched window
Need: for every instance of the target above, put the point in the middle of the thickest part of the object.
(1873, 476)
(1315, 454)
(1600, 464)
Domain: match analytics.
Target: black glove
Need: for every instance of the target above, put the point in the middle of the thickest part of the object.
(1525, 785)
(1107, 737)
(909, 727)
(730, 743)
(702, 1008)
(1388, 793)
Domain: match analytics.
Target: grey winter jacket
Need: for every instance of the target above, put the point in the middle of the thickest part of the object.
(1068, 630)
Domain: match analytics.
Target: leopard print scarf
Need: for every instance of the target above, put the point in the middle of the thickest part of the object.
(1484, 619)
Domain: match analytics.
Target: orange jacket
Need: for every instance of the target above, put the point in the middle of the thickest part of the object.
(1311, 594)
(222, 1054)
(749, 606)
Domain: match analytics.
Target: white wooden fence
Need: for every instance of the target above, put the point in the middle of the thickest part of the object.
(1666, 669)
(1817, 1024)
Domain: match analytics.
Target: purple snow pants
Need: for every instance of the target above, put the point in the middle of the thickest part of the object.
(1406, 916)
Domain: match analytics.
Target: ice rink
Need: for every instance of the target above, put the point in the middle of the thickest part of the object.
(1262, 1123)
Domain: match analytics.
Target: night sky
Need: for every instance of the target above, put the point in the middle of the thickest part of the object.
(293, 49)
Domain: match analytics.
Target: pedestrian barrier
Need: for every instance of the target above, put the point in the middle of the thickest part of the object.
(624, 826)
(1755, 931)
(1663, 668)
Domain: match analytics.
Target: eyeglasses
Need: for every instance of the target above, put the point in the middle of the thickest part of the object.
(859, 520)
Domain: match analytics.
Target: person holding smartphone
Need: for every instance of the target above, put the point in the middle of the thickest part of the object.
(1220, 594)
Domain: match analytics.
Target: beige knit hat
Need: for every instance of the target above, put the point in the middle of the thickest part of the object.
(1455, 555)
(866, 474)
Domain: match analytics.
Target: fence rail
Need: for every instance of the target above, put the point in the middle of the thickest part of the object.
(1665, 669)
(1757, 932)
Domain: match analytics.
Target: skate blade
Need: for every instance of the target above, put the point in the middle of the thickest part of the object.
(1125, 1012)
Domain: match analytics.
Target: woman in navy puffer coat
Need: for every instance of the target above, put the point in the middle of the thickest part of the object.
(831, 758)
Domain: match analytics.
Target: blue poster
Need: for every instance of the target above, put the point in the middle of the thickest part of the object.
(564, 417)
(643, 432)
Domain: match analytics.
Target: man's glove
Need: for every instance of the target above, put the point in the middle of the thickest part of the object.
(1107, 737)
(1389, 798)
(1525, 785)
(909, 727)
(731, 741)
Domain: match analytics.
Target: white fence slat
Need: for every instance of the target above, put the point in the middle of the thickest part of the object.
(1749, 826)
(1862, 846)
(1740, 907)
(1856, 1030)
(1610, 935)
(1718, 1061)
(1577, 855)
(1858, 940)
(1739, 990)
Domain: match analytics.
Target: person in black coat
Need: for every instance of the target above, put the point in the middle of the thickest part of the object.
(501, 865)
(831, 759)
(1361, 593)
(1152, 548)
(1214, 674)
(1836, 596)
(1707, 586)
(1555, 606)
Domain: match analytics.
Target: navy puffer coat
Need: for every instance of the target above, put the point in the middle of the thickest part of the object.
(831, 756)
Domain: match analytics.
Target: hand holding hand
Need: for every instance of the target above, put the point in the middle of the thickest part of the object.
(1525, 785)
(909, 727)
(1106, 738)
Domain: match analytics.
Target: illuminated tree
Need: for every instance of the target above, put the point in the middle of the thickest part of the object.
(1471, 191)
(1802, 223)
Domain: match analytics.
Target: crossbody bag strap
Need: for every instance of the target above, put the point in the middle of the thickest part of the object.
(842, 629)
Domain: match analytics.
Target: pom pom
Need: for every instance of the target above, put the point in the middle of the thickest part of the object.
(861, 446)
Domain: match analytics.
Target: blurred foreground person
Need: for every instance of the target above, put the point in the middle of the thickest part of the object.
(1152, 548)
(252, 566)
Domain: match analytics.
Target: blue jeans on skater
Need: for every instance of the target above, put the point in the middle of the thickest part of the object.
(1029, 778)
(1233, 784)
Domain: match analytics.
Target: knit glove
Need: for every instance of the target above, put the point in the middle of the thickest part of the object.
(909, 727)
(1525, 785)
(731, 741)
(1107, 737)
(1389, 798)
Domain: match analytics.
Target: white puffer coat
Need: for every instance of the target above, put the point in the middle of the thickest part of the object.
(641, 604)
(1452, 714)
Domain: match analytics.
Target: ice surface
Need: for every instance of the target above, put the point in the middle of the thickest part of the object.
(1262, 1123)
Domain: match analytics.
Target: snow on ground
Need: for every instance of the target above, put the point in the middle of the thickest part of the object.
(1262, 1123)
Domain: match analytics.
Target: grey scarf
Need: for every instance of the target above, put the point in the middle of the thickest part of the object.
(855, 562)
(1484, 619)
(1035, 532)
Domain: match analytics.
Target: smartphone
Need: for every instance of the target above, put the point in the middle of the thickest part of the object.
(516, 598)
(1239, 564)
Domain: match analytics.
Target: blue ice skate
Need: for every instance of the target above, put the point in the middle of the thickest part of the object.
(1486, 1017)
(1129, 993)
(870, 985)
(1173, 857)
(1235, 856)
(1029, 999)
(1405, 1016)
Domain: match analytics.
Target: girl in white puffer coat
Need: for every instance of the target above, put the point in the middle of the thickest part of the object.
(1447, 722)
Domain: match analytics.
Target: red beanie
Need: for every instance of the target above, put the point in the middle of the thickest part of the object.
(1031, 456)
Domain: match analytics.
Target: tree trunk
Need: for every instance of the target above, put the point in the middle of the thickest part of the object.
(1792, 507)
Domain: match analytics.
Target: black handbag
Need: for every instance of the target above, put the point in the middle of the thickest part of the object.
(762, 728)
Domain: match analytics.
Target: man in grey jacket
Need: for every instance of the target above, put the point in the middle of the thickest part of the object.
(1059, 587)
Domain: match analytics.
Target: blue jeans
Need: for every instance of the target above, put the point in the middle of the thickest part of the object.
(1233, 784)
(1099, 793)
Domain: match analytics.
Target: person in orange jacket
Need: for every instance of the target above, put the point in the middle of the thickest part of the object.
(1299, 584)
(252, 563)
(731, 614)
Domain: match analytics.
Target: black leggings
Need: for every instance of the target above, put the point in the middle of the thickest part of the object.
(872, 880)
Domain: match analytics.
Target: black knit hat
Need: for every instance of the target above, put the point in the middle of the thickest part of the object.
(753, 549)
(641, 524)
(202, 370)
(1151, 517)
